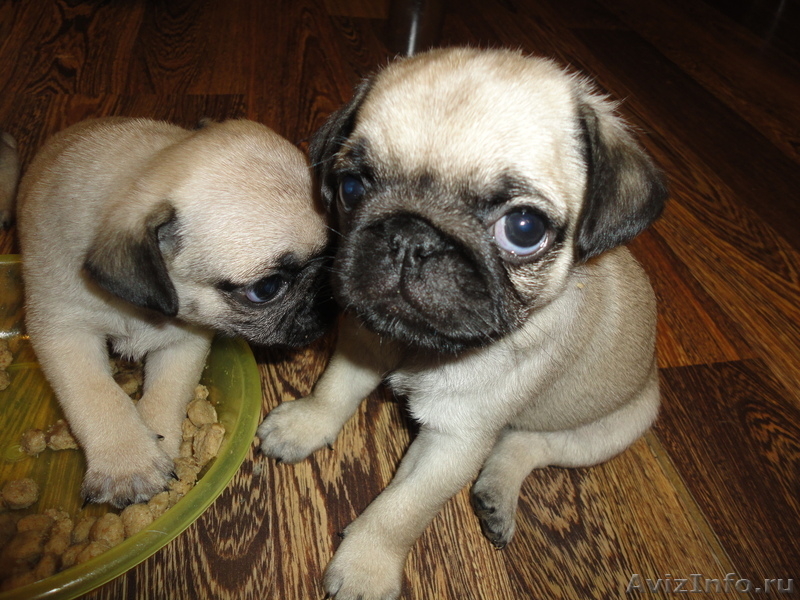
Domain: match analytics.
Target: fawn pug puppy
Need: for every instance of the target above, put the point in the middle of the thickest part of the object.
(482, 198)
(149, 236)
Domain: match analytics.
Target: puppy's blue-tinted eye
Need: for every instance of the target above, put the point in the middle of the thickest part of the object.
(351, 190)
(264, 289)
(522, 232)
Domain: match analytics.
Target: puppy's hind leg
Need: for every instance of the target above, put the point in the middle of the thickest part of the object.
(496, 491)
(518, 452)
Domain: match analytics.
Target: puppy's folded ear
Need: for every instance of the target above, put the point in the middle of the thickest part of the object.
(328, 140)
(130, 264)
(625, 191)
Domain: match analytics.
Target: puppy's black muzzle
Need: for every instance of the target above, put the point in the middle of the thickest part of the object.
(409, 280)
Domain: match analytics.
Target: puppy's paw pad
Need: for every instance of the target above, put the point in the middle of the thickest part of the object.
(363, 573)
(294, 430)
(121, 487)
(497, 516)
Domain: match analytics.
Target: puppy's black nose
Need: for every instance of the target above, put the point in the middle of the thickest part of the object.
(412, 240)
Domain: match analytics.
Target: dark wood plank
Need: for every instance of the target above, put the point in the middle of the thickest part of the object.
(738, 68)
(736, 441)
(692, 328)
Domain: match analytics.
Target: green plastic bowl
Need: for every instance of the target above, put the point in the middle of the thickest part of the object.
(234, 385)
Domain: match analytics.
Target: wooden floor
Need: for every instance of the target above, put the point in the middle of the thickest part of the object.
(713, 489)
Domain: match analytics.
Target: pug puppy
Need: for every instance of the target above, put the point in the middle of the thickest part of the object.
(149, 237)
(9, 175)
(482, 198)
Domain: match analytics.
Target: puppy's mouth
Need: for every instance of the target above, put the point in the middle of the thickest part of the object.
(409, 281)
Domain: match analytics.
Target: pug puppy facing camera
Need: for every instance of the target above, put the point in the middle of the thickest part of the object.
(482, 199)
(150, 236)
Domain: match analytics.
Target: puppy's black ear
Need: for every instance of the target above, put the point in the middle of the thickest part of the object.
(326, 142)
(625, 191)
(130, 264)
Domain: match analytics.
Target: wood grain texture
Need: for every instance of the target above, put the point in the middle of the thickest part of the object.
(736, 440)
(713, 489)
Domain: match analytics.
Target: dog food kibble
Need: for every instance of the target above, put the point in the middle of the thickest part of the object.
(200, 412)
(33, 442)
(207, 441)
(20, 493)
(108, 529)
(92, 550)
(135, 518)
(80, 533)
(35, 546)
(59, 437)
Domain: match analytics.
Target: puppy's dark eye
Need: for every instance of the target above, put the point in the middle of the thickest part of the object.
(522, 232)
(351, 190)
(264, 289)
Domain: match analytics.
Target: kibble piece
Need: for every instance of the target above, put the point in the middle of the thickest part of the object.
(25, 546)
(59, 437)
(58, 543)
(200, 412)
(33, 442)
(172, 498)
(35, 523)
(20, 493)
(109, 529)
(207, 442)
(70, 556)
(62, 527)
(80, 533)
(186, 449)
(129, 382)
(135, 518)
(48, 565)
(92, 549)
(58, 515)
(200, 392)
(188, 429)
(158, 504)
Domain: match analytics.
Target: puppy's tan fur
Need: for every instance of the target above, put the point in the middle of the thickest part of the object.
(567, 377)
(148, 236)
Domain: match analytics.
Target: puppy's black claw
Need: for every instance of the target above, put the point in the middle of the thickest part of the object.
(174, 475)
(330, 446)
(278, 461)
(341, 534)
(159, 437)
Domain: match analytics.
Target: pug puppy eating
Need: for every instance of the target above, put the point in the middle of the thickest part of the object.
(482, 199)
(149, 237)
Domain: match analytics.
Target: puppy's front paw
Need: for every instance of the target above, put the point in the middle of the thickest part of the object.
(362, 569)
(496, 513)
(123, 478)
(293, 430)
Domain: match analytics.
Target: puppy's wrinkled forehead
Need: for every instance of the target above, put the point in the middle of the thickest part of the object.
(467, 114)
